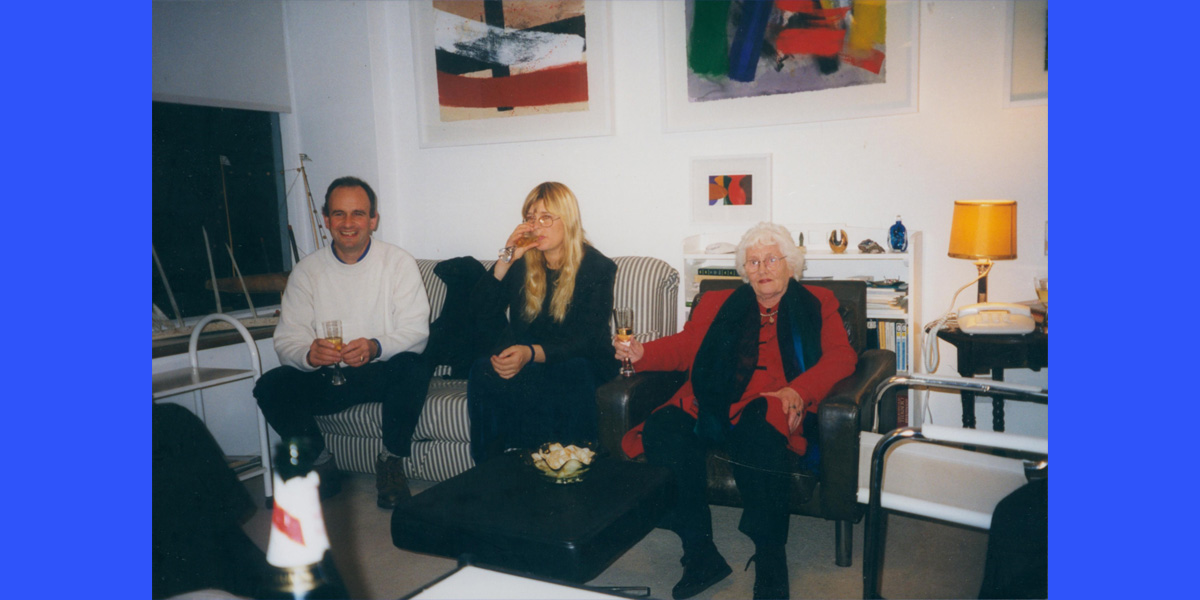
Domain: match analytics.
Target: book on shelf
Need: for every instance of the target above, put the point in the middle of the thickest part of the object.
(728, 271)
(902, 408)
(891, 335)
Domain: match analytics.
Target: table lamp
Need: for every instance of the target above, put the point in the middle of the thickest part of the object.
(984, 230)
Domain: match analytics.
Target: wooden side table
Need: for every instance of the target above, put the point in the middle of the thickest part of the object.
(983, 354)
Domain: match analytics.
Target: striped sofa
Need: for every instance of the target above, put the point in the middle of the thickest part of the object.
(441, 441)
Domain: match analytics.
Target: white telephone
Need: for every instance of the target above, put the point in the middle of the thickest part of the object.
(995, 318)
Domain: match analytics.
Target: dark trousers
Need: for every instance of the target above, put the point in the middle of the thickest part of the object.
(199, 504)
(760, 461)
(542, 403)
(1018, 545)
(289, 397)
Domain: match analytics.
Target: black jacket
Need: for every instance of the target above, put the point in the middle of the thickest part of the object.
(585, 331)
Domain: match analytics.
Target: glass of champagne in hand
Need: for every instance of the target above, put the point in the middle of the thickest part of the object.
(623, 319)
(529, 238)
(333, 333)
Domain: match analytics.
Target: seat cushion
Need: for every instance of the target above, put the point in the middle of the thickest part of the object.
(441, 442)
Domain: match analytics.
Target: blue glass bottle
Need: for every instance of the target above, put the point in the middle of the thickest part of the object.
(898, 236)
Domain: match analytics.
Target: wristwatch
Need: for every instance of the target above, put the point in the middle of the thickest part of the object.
(506, 253)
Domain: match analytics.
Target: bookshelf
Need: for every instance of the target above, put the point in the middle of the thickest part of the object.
(822, 263)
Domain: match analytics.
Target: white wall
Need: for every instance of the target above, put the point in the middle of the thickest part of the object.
(352, 70)
(351, 75)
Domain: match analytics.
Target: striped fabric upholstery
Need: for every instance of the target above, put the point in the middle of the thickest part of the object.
(651, 288)
(441, 443)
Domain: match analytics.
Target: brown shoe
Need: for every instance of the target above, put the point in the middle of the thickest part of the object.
(390, 482)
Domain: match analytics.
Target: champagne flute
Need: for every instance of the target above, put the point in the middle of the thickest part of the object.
(333, 333)
(623, 319)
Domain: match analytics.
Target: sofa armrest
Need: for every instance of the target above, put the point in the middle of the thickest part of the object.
(625, 402)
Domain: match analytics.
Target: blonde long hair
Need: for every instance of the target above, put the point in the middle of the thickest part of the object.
(559, 201)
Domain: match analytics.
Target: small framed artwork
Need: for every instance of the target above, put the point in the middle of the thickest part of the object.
(731, 189)
(511, 71)
(1027, 80)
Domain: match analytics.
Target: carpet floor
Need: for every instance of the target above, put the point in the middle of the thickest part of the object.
(924, 559)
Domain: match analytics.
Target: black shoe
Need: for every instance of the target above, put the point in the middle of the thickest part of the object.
(331, 478)
(702, 569)
(390, 482)
(770, 572)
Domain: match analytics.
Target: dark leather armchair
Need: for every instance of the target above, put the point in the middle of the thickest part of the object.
(830, 491)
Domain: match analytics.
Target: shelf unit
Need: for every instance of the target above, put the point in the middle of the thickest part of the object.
(820, 262)
(196, 379)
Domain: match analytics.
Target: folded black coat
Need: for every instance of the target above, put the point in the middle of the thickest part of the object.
(458, 336)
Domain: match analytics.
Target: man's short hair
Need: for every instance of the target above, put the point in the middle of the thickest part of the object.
(349, 181)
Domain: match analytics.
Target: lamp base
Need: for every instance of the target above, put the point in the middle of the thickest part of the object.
(984, 266)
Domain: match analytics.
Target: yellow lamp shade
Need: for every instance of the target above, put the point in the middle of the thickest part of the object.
(984, 229)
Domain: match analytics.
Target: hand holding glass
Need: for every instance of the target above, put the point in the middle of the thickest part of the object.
(333, 333)
(623, 319)
(528, 238)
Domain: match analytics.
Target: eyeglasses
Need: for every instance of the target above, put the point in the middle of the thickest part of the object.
(769, 262)
(542, 221)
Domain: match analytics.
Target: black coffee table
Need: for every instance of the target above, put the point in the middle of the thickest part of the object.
(503, 513)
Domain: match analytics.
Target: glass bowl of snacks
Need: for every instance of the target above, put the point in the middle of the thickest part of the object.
(561, 464)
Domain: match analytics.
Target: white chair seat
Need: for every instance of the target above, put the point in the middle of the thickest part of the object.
(940, 482)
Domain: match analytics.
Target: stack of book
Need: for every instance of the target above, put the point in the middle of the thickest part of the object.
(888, 295)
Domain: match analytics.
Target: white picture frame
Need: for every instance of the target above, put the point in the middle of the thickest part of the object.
(597, 120)
(1027, 73)
(756, 166)
(897, 96)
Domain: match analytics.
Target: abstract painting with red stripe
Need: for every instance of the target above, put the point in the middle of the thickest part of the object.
(503, 58)
(739, 49)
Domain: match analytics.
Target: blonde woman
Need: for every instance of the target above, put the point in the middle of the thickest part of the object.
(540, 384)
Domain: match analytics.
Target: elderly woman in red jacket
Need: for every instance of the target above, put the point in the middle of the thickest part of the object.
(761, 357)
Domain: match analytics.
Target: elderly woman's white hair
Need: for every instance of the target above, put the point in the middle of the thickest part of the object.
(770, 234)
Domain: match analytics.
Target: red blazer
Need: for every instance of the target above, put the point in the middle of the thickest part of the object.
(676, 353)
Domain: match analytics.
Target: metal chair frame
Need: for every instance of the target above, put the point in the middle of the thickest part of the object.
(1033, 450)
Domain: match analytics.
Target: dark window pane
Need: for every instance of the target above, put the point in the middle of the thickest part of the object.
(242, 200)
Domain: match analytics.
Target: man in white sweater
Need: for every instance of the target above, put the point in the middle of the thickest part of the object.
(375, 290)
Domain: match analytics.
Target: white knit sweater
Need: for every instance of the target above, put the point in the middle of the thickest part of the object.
(381, 297)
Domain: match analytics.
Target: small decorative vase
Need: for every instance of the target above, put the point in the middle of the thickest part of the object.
(838, 241)
(898, 236)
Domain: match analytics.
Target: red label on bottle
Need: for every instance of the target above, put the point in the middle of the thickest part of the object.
(287, 524)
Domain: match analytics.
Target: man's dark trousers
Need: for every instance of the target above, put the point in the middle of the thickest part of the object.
(289, 398)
